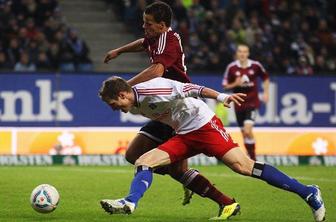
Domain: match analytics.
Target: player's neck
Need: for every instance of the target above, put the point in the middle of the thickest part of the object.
(243, 63)
(133, 98)
(164, 29)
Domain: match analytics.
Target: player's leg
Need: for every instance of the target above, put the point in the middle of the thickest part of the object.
(164, 155)
(149, 137)
(138, 146)
(245, 121)
(141, 182)
(193, 180)
(155, 133)
(239, 162)
(207, 140)
(249, 140)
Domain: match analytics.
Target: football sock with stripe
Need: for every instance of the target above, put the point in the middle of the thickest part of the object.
(197, 183)
(141, 182)
(250, 147)
(276, 178)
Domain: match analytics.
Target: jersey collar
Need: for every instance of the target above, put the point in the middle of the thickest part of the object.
(249, 63)
(136, 97)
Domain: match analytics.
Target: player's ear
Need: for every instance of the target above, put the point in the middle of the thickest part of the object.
(122, 94)
(162, 25)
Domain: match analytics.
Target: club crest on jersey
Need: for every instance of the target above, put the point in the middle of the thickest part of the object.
(245, 79)
(237, 73)
(251, 72)
(152, 106)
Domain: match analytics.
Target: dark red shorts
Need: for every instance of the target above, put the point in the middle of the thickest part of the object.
(211, 139)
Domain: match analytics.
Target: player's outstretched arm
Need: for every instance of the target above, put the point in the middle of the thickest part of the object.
(153, 71)
(226, 99)
(135, 46)
(193, 90)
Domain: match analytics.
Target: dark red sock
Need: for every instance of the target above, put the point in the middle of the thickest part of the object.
(197, 183)
(162, 170)
(250, 147)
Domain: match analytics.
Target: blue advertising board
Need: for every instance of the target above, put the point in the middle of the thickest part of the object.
(72, 100)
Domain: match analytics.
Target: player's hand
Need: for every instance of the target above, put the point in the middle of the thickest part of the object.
(237, 98)
(265, 97)
(112, 54)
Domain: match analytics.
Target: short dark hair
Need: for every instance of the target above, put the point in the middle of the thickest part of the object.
(111, 88)
(243, 44)
(161, 12)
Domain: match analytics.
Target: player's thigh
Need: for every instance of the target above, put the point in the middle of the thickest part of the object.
(240, 117)
(157, 131)
(138, 146)
(212, 139)
(249, 117)
(178, 150)
(153, 158)
(238, 161)
(149, 137)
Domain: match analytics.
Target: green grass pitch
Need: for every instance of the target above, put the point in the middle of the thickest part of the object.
(81, 188)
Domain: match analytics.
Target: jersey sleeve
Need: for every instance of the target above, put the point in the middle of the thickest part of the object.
(166, 53)
(226, 76)
(184, 90)
(263, 73)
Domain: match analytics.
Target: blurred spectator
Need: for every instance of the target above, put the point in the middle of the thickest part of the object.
(303, 67)
(79, 51)
(42, 63)
(14, 51)
(24, 65)
(4, 63)
(320, 65)
(35, 29)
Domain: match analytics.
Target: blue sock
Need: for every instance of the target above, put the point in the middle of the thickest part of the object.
(276, 178)
(141, 182)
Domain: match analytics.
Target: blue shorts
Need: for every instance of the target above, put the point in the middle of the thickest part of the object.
(157, 131)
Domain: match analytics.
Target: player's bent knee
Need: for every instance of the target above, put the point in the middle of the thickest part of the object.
(241, 169)
(129, 158)
(176, 174)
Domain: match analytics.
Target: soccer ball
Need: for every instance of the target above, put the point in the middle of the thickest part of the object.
(44, 198)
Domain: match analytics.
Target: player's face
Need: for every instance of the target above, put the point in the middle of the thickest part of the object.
(242, 53)
(151, 27)
(122, 103)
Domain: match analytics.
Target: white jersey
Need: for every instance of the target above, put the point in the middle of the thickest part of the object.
(171, 102)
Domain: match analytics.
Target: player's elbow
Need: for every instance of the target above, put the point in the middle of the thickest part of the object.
(157, 70)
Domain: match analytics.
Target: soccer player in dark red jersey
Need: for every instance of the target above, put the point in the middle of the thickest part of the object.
(165, 51)
(241, 76)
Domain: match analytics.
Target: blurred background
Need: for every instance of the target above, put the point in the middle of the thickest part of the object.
(51, 68)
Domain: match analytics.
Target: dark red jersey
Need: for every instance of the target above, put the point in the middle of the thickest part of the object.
(167, 50)
(250, 86)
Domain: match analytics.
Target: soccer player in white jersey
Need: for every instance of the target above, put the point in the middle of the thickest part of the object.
(173, 103)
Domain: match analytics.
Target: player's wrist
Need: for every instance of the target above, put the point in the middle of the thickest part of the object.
(222, 97)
